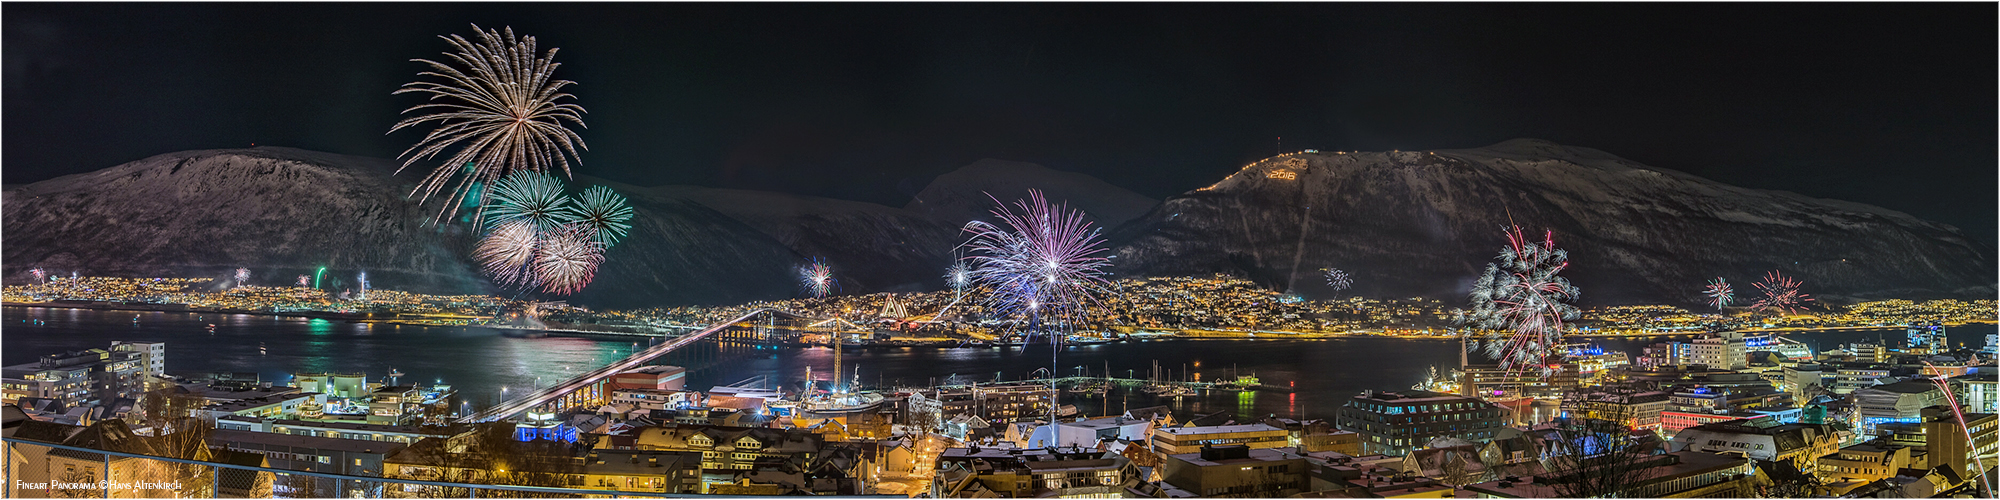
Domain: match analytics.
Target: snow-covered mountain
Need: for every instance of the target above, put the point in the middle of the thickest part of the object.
(1425, 223)
(1403, 223)
(962, 195)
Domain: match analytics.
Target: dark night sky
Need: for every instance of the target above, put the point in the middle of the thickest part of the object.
(1892, 105)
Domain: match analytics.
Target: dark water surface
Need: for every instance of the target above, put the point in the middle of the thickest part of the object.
(481, 361)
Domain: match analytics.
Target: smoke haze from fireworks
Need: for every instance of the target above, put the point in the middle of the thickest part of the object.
(499, 110)
(1522, 303)
(816, 279)
(1041, 262)
(1781, 293)
(1719, 293)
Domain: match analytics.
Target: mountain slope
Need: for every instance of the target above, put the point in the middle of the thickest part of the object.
(870, 247)
(1426, 223)
(283, 212)
(961, 195)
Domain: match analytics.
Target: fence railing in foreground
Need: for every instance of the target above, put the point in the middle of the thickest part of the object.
(36, 469)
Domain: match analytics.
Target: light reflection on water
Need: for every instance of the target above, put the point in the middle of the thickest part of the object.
(479, 361)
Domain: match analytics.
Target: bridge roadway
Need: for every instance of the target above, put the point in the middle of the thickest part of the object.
(583, 381)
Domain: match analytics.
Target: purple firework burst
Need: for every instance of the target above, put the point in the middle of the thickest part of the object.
(1041, 262)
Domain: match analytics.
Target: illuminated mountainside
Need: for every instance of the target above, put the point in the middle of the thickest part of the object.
(1425, 223)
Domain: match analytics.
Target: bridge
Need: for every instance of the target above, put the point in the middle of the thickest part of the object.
(590, 388)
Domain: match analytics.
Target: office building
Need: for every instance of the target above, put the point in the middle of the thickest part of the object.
(1393, 423)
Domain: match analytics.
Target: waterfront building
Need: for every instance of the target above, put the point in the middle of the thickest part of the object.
(1054, 472)
(1491, 381)
(1632, 408)
(1178, 440)
(1393, 423)
(152, 355)
(1764, 438)
(655, 399)
(339, 385)
(1237, 471)
(1314, 436)
(1865, 462)
(1992, 347)
(998, 403)
(1947, 445)
(394, 405)
(656, 377)
(287, 406)
(1685, 474)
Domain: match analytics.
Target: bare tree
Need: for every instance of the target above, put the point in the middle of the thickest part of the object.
(1594, 459)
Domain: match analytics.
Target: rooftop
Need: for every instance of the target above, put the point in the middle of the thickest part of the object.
(1256, 455)
(1221, 429)
(297, 441)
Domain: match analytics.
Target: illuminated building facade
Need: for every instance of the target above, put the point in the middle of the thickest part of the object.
(1392, 423)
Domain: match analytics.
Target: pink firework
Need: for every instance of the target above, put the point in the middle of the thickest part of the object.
(305, 281)
(509, 252)
(568, 259)
(40, 275)
(1781, 293)
(816, 279)
(242, 276)
(1719, 294)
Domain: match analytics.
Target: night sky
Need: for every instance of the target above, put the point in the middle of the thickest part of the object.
(1892, 105)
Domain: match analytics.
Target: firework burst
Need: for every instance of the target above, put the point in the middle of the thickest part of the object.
(1522, 303)
(507, 252)
(1719, 293)
(40, 275)
(498, 106)
(242, 276)
(533, 197)
(816, 279)
(959, 276)
(1781, 293)
(1337, 279)
(568, 260)
(363, 279)
(305, 281)
(1041, 261)
(604, 212)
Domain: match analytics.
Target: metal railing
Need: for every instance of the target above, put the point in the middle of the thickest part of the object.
(35, 469)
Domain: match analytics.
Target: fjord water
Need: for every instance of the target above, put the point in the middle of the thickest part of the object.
(480, 362)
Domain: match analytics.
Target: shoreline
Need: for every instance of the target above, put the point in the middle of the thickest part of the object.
(1234, 335)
